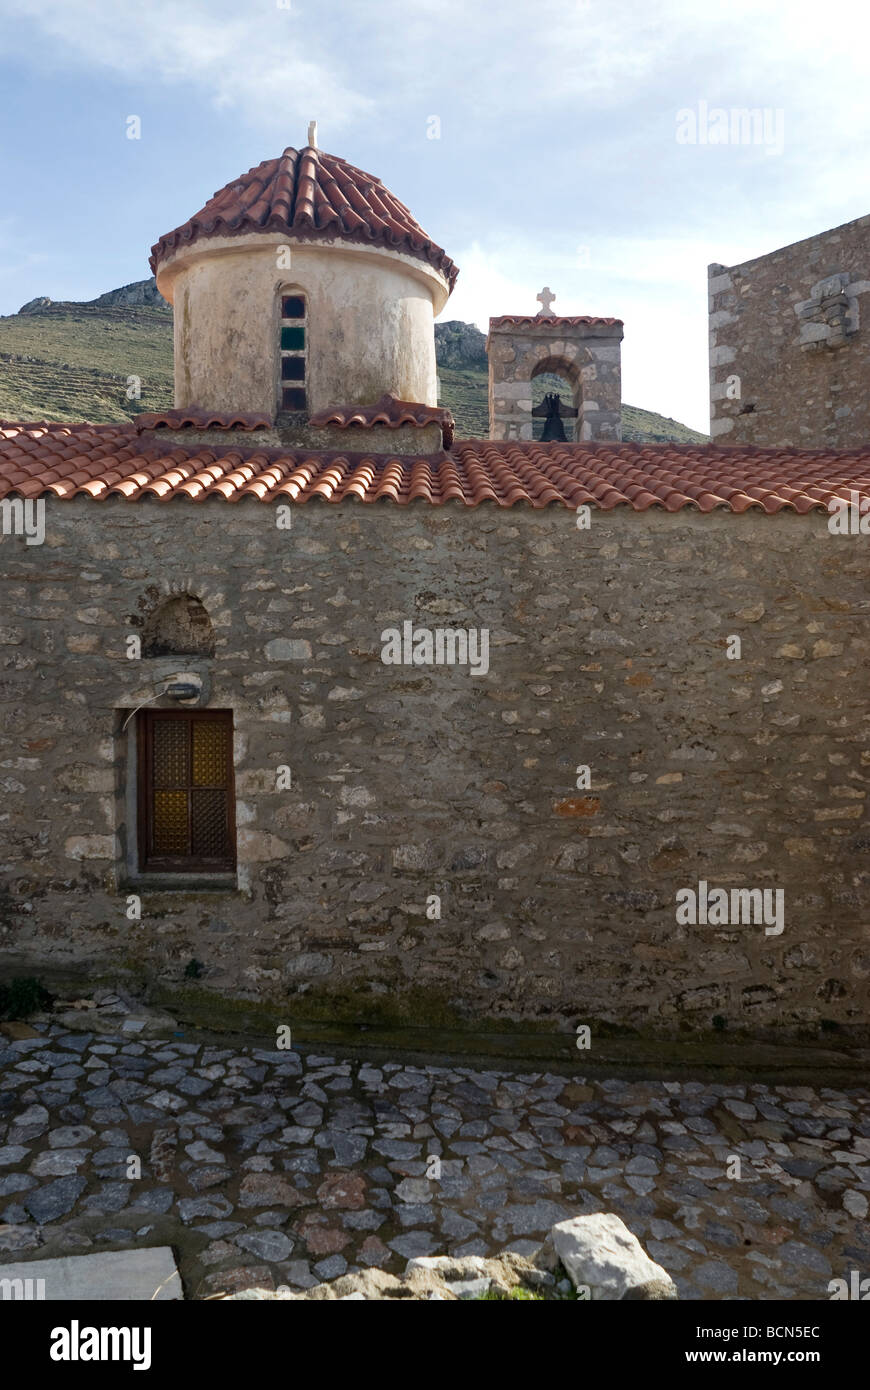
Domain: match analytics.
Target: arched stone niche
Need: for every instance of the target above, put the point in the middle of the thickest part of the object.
(180, 626)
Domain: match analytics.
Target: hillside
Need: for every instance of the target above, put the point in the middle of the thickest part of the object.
(71, 362)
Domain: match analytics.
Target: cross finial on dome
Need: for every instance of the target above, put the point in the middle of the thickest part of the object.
(312, 134)
(545, 299)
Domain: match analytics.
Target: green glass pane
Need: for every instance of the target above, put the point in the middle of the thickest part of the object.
(293, 338)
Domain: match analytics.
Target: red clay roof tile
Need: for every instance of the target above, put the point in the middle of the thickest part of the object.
(119, 460)
(304, 194)
(388, 411)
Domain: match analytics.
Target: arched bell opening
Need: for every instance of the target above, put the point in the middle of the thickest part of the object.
(556, 400)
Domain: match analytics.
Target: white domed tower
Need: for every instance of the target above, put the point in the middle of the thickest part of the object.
(300, 287)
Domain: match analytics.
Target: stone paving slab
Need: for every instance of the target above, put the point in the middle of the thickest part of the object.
(263, 1166)
(148, 1273)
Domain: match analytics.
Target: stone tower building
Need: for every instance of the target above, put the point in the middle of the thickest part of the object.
(583, 350)
(789, 354)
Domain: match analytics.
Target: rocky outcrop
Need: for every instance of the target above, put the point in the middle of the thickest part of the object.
(459, 344)
(140, 292)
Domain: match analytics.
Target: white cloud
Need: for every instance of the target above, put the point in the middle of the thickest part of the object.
(261, 63)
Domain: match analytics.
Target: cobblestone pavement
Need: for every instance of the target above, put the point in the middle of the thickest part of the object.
(270, 1167)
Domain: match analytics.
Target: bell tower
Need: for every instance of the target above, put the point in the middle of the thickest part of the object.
(584, 350)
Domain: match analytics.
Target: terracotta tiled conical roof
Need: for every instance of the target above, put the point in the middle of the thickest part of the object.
(307, 193)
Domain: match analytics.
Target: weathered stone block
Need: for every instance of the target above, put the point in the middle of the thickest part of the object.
(288, 649)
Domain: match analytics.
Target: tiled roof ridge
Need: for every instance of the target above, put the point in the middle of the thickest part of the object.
(389, 411)
(592, 446)
(69, 426)
(197, 417)
(114, 460)
(309, 194)
(553, 320)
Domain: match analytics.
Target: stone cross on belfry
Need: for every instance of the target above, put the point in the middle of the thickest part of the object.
(545, 299)
(312, 134)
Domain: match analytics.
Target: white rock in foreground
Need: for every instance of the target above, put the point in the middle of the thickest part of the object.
(597, 1251)
(601, 1254)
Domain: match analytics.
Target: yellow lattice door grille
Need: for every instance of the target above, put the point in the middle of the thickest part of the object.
(186, 801)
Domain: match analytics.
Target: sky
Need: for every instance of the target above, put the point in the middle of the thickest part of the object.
(586, 145)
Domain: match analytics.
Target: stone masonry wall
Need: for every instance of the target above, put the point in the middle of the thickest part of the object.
(790, 343)
(608, 649)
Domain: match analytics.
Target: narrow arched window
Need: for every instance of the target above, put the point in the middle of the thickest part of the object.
(293, 354)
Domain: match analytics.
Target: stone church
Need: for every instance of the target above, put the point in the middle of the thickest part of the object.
(309, 706)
